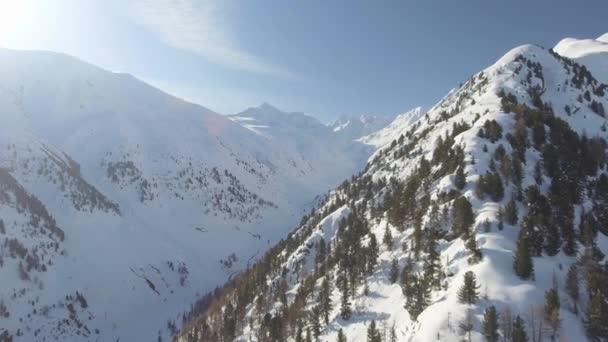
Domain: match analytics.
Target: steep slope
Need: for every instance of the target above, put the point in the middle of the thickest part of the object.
(494, 198)
(120, 203)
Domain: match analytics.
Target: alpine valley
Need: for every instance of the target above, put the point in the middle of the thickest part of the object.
(483, 218)
(120, 205)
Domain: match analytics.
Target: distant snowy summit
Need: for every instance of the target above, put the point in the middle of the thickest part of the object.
(355, 127)
(394, 130)
(593, 53)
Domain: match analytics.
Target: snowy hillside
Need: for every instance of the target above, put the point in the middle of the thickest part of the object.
(119, 203)
(484, 219)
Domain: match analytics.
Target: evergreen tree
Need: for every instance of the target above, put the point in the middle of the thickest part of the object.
(432, 265)
(511, 212)
(392, 337)
(552, 311)
(325, 300)
(468, 294)
(466, 325)
(501, 218)
(345, 308)
(373, 335)
(462, 216)
(572, 287)
(596, 317)
(519, 330)
(596, 314)
(394, 271)
(308, 335)
(372, 257)
(460, 179)
(522, 262)
(490, 324)
(229, 323)
(299, 332)
(341, 337)
(387, 239)
(321, 255)
(417, 295)
(315, 317)
(472, 246)
(538, 174)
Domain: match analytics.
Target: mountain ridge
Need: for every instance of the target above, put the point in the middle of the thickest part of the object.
(491, 201)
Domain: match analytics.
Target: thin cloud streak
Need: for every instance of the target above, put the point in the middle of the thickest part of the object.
(198, 27)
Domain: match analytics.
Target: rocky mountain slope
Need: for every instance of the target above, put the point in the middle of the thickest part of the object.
(120, 203)
(484, 219)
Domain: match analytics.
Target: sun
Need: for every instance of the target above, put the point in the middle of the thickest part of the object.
(15, 17)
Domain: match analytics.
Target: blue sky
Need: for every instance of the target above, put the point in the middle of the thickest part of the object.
(325, 58)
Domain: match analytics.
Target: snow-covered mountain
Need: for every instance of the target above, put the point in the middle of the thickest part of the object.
(391, 132)
(120, 203)
(352, 128)
(484, 219)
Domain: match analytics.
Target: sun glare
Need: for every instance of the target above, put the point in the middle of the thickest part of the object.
(15, 17)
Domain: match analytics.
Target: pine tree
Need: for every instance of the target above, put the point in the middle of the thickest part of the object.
(511, 212)
(462, 216)
(325, 300)
(345, 309)
(519, 330)
(393, 334)
(373, 335)
(321, 253)
(501, 218)
(341, 337)
(522, 262)
(315, 317)
(552, 311)
(466, 325)
(572, 287)
(229, 323)
(472, 246)
(460, 179)
(468, 294)
(432, 265)
(372, 257)
(387, 239)
(299, 332)
(596, 317)
(490, 324)
(596, 314)
(394, 271)
(538, 174)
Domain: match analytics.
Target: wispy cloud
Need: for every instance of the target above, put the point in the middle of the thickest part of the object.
(199, 26)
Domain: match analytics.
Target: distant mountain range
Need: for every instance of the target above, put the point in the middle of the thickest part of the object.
(119, 203)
